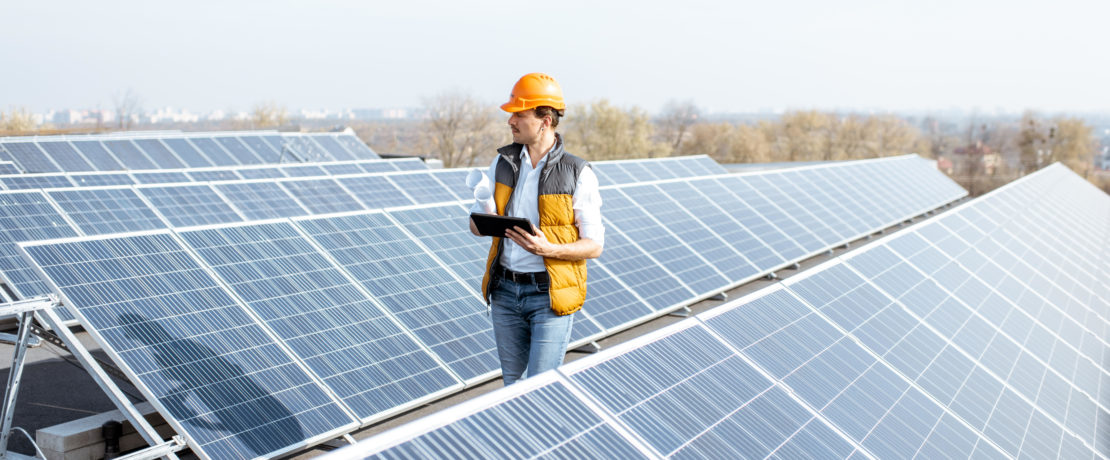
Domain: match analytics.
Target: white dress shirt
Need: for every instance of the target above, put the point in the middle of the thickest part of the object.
(586, 203)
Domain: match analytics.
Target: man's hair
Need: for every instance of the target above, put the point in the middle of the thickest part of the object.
(546, 111)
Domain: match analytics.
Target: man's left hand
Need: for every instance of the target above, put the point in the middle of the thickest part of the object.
(536, 244)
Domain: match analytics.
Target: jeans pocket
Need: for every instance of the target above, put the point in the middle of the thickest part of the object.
(543, 287)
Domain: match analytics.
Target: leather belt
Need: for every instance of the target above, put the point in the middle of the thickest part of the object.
(520, 277)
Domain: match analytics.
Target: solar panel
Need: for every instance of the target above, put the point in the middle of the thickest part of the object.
(27, 216)
(309, 170)
(614, 172)
(445, 231)
(209, 367)
(305, 149)
(97, 211)
(339, 169)
(5, 156)
(36, 181)
(678, 168)
(214, 175)
(322, 196)
(160, 154)
(216, 154)
(455, 181)
(129, 155)
(760, 216)
(66, 157)
(187, 205)
(190, 155)
(623, 215)
(827, 211)
(259, 200)
(707, 165)
(504, 425)
(260, 173)
(806, 228)
(267, 152)
(102, 178)
(356, 349)
(422, 187)
(7, 167)
(761, 254)
(638, 172)
(642, 274)
(375, 191)
(334, 148)
(99, 156)
(276, 144)
(238, 150)
(860, 212)
(30, 157)
(406, 164)
(380, 166)
(668, 210)
(609, 303)
(427, 300)
(160, 177)
(355, 145)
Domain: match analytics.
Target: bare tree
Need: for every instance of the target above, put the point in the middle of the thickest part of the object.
(676, 120)
(18, 120)
(127, 105)
(602, 131)
(460, 130)
(269, 114)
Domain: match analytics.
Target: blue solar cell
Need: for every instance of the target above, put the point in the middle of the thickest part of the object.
(442, 313)
(239, 151)
(95, 179)
(30, 157)
(189, 205)
(381, 166)
(615, 173)
(444, 230)
(261, 200)
(304, 149)
(129, 155)
(828, 211)
(34, 181)
(277, 145)
(4, 155)
(670, 211)
(760, 222)
(406, 164)
(455, 180)
(260, 173)
(263, 149)
(762, 255)
(860, 215)
(610, 303)
(210, 368)
(639, 172)
(310, 170)
(215, 175)
(160, 177)
(643, 275)
(355, 145)
(351, 344)
(334, 148)
(99, 156)
(97, 211)
(189, 154)
(322, 196)
(782, 226)
(375, 191)
(215, 153)
(806, 228)
(707, 165)
(66, 157)
(624, 215)
(340, 169)
(677, 167)
(514, 428)
(160, 154)
(7, 167)
(422, 187)
(27, 216)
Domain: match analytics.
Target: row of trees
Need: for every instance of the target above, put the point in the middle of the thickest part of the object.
(980, 155)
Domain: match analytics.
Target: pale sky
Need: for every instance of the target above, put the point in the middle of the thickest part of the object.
(725, 56)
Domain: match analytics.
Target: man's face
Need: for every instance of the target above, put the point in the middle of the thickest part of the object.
(525, 126)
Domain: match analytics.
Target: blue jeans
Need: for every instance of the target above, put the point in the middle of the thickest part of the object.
(530, 337)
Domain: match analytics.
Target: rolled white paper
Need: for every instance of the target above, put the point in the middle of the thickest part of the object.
(483, 196)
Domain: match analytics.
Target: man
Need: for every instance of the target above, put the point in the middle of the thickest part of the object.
(535, 283)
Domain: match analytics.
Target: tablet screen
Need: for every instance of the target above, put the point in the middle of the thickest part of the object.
(494, 225)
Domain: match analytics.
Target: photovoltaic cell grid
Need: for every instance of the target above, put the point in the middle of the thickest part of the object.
(427, 300)
(7, 167)
(27, 216)
(443, 230)
(423, 187)
(35, 181)
(357, 350)
(66, 157)
(189, 205)
(98, 211)
(920, 345)
(98, 156)
(197, 355)
(30, 157)
(261, 200)
(322, 196)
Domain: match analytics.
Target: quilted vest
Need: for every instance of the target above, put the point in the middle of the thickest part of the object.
(556, 191)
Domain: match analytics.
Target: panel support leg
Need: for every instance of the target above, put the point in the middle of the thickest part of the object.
(683, 312)
(592, 347)
(15, 375)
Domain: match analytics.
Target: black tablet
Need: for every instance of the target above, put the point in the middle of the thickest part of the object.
(494, 225)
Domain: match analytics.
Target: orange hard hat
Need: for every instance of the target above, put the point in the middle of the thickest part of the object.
(535, 90)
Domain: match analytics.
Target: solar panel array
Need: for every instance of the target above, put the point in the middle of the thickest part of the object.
(137, 151)
(414, 327)
(973, 334)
